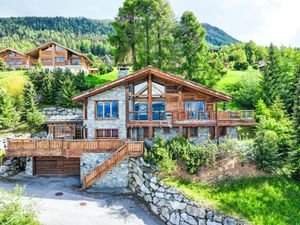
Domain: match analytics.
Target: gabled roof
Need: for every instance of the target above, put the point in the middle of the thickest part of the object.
(157, 73)
(12, 50)
(34, 50)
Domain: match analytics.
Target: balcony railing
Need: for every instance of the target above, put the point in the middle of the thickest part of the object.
(156, 116)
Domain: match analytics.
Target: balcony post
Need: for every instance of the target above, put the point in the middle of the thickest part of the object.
(149, 97)
(217, 123)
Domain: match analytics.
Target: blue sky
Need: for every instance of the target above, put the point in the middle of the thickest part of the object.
(263, 21)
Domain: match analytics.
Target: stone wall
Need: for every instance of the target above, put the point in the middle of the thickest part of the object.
(203, 135)
(117, 93)
(159, 132)
(61, 111)
(115, 178)
(168, 203)
(232, 132)
(12, 166)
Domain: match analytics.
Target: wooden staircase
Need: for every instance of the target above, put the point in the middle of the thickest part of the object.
(117, 157)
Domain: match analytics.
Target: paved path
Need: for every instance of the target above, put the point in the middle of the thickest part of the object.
(80, 208)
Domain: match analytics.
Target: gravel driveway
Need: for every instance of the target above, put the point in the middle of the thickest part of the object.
(74, 207)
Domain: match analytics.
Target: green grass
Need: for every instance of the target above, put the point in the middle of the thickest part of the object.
(13, 82)
(99, 80)
(260, 200)
(232, 77)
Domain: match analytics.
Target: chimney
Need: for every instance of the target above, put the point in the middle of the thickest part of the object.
(123, 70)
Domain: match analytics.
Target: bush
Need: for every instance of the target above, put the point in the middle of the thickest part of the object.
(2, 155)
(241, 65)
(15, 211)
(35, 119)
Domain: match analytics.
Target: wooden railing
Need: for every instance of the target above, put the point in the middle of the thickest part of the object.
(211, 115)
(67, 148)
(103, 168)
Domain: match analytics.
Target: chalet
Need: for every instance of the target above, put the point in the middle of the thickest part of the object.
(14, 58)
(119, 116)
(53, 55)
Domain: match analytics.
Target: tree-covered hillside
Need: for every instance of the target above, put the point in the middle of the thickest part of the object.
(216, 36)
(82, 34)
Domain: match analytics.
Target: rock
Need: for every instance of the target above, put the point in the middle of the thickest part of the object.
(173, 190)
(178, 197)
(154, 209)
(148, 198)
(162, 203)
(201, 222)
(159, 194)
(229, 221)
(145, 190)
(138, 180)
(153, 186)
(189, 219)
(178, 205)
(4, 175)
(8, 162)
(209, 215)
(195, 211)
(161, 189)
(153, 179)
(212, 223)
(165, 212)
(218, 218)
(168, 197)
(174, 218)
(4, 169)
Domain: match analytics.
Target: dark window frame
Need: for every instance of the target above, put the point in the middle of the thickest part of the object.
(111, 117)
(107, 133)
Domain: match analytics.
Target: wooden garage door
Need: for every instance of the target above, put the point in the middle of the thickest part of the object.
(56, 165)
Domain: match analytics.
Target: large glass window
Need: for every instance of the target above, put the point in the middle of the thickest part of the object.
(46, 60)
(107, 110)
(140, 111)
(194, 106)
(158, 111)
(58, 48)
(48, 49)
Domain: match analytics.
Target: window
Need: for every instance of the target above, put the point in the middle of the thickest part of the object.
(46, 60)
(167, 130)
(194, 132)
(58, 48)
(107, 110)
(10, 63)
(194, 106)
(12, 54)
(107, 133)
(140, 111)
(60, 59)
(190, 132)
(158, 111)
(18, 63)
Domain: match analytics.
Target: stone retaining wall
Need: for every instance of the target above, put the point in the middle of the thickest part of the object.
(168, 203)
(61, 111)
(117, 177)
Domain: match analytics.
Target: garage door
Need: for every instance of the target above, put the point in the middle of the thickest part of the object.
(57, 165)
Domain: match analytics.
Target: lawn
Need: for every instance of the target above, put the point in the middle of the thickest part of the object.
(13, 82)
(99, 80)
(232, 77)
(260, 200)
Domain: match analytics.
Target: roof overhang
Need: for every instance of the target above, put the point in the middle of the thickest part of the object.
(12, 50)
(158, 73)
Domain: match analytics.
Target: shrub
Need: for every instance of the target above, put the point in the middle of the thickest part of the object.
(15, 211)
(8, 115)
(35, 119)
(2, 155)
(241, 65)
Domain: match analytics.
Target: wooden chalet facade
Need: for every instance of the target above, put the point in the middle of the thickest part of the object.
(119, 116)
(14, 59)
(53, 55)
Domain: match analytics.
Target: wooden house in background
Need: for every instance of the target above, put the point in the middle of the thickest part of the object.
(14, 59)
(53, 55)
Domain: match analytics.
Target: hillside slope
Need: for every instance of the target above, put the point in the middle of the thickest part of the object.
(82, 34)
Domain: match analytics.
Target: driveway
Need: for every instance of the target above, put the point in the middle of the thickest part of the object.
(73, 207)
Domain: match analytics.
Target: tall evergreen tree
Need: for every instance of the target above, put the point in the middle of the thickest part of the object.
(29, 100)
(270, 80)
(2, 65)
(192, 48)
(8, 114)
(68, 91)
(48, 89)
(297, 107)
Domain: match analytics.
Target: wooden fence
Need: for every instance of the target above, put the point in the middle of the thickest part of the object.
(68, 148)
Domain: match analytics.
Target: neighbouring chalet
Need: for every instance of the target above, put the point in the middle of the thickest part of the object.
(53, 55)
(14, 59)
(119, 116)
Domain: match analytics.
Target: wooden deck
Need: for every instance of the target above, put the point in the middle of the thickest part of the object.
(69, 148)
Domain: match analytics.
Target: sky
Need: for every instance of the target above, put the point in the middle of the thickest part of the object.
(264, 21)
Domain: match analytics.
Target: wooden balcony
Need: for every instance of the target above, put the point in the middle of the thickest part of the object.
(200, 118)
(69, 148)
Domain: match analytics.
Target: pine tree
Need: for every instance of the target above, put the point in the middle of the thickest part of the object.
(29, 100)
(2, 65)
(270, 83)
(48, 89)
(297, 107)
(192, 48)
(8, 114)
(68, 91)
